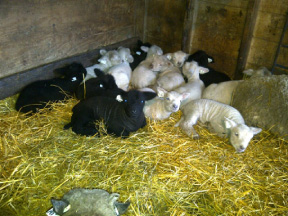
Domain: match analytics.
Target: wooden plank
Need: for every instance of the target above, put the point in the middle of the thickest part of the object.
(34, 33)
(12, 84)
(251, 16)
(189, 25)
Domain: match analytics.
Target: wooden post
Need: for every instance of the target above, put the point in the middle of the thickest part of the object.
(253, 6)
(188, 25)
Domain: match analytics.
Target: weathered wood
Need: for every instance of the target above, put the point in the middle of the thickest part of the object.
(34, 33)
(251, 17)
(12, 84)
(189, 25)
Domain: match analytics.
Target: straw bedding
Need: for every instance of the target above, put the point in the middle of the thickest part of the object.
(158, 169)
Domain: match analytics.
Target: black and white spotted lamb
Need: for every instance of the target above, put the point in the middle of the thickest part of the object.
(38, 94)
(120, 116)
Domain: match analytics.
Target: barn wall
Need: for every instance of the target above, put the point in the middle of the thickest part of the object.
(268, 29)
(37, 32)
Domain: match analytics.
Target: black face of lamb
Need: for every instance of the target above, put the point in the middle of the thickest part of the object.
(73, 72)
(201, 57)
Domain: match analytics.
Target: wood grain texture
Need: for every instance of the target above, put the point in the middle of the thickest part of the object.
(34, 33)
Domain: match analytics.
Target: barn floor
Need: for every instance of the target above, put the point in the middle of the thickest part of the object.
(158, 169)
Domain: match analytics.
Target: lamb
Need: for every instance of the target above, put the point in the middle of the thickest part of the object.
(144, 51)
(223, 119)
(177, 58)
(213, 76)
(38, 94)
(97, 86)
(162, 107)
(194, 86)
(122, 72)
(262, 71)
(146, 73)
(222, 92)
(106, 61)
(120, 116)
(90, 202)
(170, 78)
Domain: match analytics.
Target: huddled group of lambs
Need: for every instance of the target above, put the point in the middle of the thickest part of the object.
(126, 87)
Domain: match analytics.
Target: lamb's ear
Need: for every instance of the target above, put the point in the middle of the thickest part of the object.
(255, 130)
(168, 56)
(103, 52)
(98, 72)
(149, 95)
(185, 95)
(144, 48)
(102, 60)
(161, 92)
(203, 70)
(229, 123)
(122, 207)
(159, 52)
(130, 59)
(60, 206)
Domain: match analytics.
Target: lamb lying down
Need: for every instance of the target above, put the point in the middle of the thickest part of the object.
(90, 202)
(222, 119)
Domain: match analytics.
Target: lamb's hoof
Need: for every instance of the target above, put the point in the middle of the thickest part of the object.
(195, 136)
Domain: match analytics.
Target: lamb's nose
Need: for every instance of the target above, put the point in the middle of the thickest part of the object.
(175, 106)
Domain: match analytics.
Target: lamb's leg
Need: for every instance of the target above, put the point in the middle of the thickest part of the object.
(188, 128)
(179, 122)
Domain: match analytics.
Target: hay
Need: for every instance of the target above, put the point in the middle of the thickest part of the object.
(158, 168)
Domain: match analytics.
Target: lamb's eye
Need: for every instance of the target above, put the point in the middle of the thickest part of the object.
(168, 98)
(142, 101)
(125, 100)
(236, 134)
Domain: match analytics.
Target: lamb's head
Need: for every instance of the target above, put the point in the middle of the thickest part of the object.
(201, 57)
(177, 58)
(88, 202)
(152, 50)
(192, 70)
(172, 99)
(134, 102)
(159, 63)
(110, 58)
(240, 134)
(74, 72)
(105, 81)
(125, 55)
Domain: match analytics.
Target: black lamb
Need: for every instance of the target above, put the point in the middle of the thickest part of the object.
(120, 116)
(139, 55)
(212, 76)
(98, 86)
(36, 95)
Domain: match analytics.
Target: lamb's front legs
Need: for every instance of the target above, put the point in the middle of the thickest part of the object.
(187, 126)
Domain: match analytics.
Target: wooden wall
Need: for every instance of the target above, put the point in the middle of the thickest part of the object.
(38, 32)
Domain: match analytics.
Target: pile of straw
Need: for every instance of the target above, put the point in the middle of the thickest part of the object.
(158, 169)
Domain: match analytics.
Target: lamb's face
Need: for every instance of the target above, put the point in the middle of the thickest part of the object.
(134, 102)
(240, 136)
(111, 58)
(159, 63)
(172, 101)
(178, 58)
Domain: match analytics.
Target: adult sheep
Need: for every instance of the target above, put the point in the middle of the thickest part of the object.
(263, 101)
(120, 116)
(38, 94)
(222, 119)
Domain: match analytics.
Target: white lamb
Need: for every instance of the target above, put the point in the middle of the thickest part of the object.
(125, 54)
(177, 58)
(146, 72)
(222, 119)
(194, 86)
(108, 59)
(170, 78)
(222, 92)
(152, 51)
(260, 72)
(122, 75)
(164, 105)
